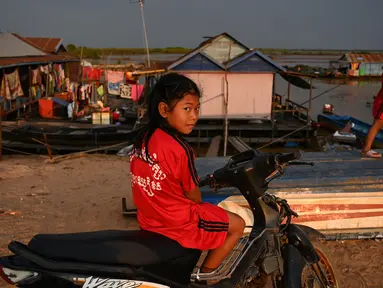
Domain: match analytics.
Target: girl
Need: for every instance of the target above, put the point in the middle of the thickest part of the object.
(164, 179)
(377, 113)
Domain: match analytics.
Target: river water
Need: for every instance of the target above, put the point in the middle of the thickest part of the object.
(353, 98)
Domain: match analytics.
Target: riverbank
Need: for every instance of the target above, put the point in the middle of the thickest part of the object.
(88, 52)
(85, 195)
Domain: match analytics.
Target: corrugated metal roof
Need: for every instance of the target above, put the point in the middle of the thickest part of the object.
(34, 60)
(363, 58)
(250, 53)
(190, 55)
(48, 45)
(202, 46)
(12, 46)
(224, 34)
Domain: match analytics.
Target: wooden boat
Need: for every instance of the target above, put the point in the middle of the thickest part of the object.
(341, 196)
(359, 128)
(75, 137)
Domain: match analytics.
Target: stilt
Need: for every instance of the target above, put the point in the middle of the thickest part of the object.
(214, 147)
(1, 132)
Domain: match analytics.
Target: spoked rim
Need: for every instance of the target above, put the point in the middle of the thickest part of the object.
(328, 270)
(326, 273)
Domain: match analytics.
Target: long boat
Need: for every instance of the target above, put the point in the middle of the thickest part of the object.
(341, 195)
(358, 127)
(73, 137)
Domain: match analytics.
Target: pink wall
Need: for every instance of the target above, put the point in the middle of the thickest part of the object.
(250, 95)
(212, 89)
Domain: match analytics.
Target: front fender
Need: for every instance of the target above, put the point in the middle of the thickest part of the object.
(311, 232)
(300, 240)
(292, 267)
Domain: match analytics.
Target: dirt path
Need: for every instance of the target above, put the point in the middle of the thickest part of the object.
(85, 194)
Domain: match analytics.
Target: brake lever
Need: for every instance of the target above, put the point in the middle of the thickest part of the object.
(301, 163)
(277, 173)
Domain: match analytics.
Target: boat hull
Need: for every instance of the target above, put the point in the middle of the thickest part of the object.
(359, 128)
(341, 193)
(67, 138)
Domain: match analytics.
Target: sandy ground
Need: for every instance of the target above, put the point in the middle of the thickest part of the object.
(84, 194)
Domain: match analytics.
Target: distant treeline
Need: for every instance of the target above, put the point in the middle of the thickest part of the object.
(97, 53)
(272, 51)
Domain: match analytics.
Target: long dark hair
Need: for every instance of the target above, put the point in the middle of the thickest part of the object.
(169, 89)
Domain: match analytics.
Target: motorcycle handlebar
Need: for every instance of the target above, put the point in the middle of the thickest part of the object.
(207, 181)
(210, 180)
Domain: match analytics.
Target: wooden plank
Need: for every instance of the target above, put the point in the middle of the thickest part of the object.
(253, 127)
(239, 144)
(253, 140)
(243, 144)
(214, 146)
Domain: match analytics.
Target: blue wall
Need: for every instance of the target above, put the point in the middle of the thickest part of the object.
(253, 64)
(197, 63)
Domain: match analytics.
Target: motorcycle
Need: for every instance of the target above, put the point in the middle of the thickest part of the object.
(290, 255)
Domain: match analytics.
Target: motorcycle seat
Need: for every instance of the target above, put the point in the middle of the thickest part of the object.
(113, 247)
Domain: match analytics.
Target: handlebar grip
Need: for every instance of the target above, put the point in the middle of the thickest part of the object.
(207, 181)
(285, 158)
(243, 156)
(202, 183)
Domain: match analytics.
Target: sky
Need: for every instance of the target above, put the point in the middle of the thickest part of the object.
(290, 24)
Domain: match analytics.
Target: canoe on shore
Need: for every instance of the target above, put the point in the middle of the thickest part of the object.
(66, 137)
(358, 127)
(342, 194)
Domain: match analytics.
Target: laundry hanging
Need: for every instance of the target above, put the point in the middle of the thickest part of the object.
(114, 78)
(36, 76)
(85, 92)
(58, 77)
(125, 91)
(100, 90)
(11, 86)
(91, 74)
(137, 92)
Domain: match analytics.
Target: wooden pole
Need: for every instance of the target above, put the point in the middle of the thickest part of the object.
(226, 103)
(1, 131)
(18, 105)
(288, 91)
(47, 84)
(106, 93)
(310, 100)
(47, 146)
(30, 88)
(145, 32)
(80, 67)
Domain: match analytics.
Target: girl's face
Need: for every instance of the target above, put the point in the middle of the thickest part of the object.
(184, 114)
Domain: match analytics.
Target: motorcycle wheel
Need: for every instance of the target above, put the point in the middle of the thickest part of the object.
(324, 272)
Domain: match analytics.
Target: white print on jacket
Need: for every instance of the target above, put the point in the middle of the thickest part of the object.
(149, 184)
